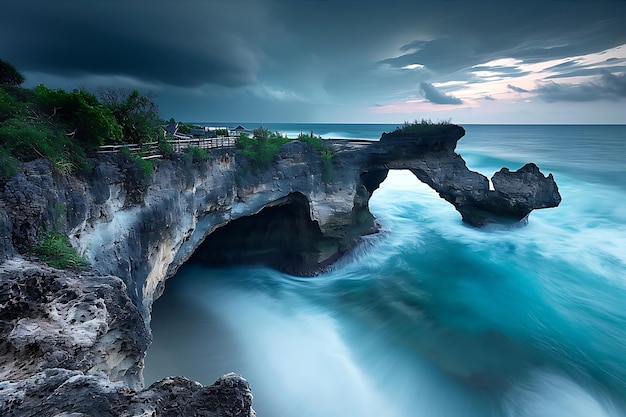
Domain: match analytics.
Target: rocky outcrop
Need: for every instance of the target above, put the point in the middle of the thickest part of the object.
(70, 336)
(432, 159)
(61, 392)
(52, 318)
(73, 344)
(142, 229)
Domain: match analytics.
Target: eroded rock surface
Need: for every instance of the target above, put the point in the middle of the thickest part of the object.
(74, 342)
(432, 159)
(143, 229)
(78, 321)
(62, 392)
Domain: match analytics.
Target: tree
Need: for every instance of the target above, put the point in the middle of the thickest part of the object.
(137, 114)
(9, 75)
(84, 118)
(261, 133)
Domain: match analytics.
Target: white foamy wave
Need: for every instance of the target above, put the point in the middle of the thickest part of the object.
(587, 231)
(546, 394)
(303, 359)
(336, 135)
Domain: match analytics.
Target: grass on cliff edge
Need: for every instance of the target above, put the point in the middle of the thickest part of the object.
(422, 126)
(323, 150)
(265, 144)
(56, 251)
(261, 148)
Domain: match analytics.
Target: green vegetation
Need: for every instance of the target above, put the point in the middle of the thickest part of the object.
(316, 141)
(322, 149)
(165, 147)
(221, 132)
(197, 154)
(424, 126)
(144, 166)
(33, 125)
(262, 148)
(328, 169)
(65, 126)
(184, 128)
(79, 114)
(55, 248)
(137, 115)
(56, 251)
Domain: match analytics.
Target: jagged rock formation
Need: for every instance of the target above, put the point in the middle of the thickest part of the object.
(432, 159)
(73, 344)
(52, 318)
(69, 336)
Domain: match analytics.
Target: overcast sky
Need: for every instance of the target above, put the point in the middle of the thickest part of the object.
(367, 61)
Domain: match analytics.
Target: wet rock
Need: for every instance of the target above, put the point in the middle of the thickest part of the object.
(62, 392)
(72, 343)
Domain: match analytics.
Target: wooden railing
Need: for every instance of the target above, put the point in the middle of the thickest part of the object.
(150, 150)
(213, 143)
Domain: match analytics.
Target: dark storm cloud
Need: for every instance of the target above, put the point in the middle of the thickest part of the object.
(182, 44)
(437, 97)
(320, 53)
(608, 87)
(517, 89)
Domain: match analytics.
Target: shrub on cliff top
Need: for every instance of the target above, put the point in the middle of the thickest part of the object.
(9, 105)
(197, 154)
(315, 141)
(424, 125)
(137, 114)
(262, 148)
(80, 113)
(25, 139)
(322, 149)
(64, 126)
(423, 128)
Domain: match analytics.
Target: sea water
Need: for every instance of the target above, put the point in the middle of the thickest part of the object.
(431, 317)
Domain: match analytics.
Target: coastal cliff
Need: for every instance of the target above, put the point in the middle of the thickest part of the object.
(80, 335)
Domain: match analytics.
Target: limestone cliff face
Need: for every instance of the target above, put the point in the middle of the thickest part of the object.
(143, 229)
(63, 319)
(87, 333)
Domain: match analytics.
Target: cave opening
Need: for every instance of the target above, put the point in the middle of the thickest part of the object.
(281, 236)
(208, 320)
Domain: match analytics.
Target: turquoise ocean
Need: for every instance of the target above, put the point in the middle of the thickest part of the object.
(431, 317)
